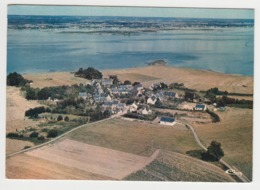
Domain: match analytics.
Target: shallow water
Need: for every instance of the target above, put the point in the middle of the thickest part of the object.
(227, 50)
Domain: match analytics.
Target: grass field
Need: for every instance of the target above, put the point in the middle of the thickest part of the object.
(41, 80)
(234, 132)
(170, 166)
(135, 137)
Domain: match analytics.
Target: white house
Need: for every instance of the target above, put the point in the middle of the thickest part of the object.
(167, 121)
(146, 111)
(133, 107)
(107, 82)
(151, 100)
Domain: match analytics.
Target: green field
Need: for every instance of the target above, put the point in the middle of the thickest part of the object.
(136, 137)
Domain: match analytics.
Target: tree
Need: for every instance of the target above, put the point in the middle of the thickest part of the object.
(163, 85)
(31, 94)
(52, 133)
(135, 83)
(189, 96)
(158, 103)
(15, 79)
(89, 73)
(66, 118)
(127, 82)
(114, 78)
(60, 118)
(107, 113)
(34, 135)
(220, 102)
(44, 93)
(214, 152)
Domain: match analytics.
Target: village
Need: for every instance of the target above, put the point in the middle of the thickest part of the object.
(104, 111)
(135, 102)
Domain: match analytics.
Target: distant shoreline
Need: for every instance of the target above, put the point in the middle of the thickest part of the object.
(159, 62)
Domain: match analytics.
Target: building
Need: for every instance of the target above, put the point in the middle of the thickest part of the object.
(107, 82)
(84, 95)
(170, 94)
(133, 107)
(145, 110)
(167, 121)
(152, 100)
(138, 87)
(102, 98)
(200, 107)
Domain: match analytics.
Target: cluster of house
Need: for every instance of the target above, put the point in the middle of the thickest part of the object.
(143, 109)
(161, 96)
(107, 98)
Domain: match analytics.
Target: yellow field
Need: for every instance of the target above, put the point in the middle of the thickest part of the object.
(192, 78)
(234, 132)
(135, 137)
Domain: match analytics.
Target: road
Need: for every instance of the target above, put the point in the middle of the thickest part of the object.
(243, 178)
(64, 134)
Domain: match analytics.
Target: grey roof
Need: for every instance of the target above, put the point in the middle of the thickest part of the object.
(108, 103)
(138, 85)
(167, 119)
(168, 93)
(81, 94)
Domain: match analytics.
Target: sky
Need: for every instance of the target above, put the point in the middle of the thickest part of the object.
(130, 11)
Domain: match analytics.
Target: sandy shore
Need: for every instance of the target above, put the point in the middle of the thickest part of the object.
(196, 79)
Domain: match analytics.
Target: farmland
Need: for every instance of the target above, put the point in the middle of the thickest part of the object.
(135, 137)
(170, 166)
(234, 132)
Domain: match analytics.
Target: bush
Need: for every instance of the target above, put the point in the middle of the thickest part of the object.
(34, 135)
(15, 79)
(26, 147)
(214, 116)
(41, 138)
(214, 152)
(32, 112)
(66, 118)
(13, 135)
(31, 93)
(52, 133)
(127, 82)
(89, 73)
(60, 118)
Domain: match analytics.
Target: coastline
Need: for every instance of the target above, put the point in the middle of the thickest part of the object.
(192, 78)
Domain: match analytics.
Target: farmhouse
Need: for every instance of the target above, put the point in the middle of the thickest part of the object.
(200, 107)
(171, 94)
(138, 87)
(133, 107)
(107, 82)
(144, 110)
(84, 95)
(152, 100)
(167, 121)
(102, 98)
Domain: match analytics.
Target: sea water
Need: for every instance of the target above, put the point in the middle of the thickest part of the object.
(225, 49)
